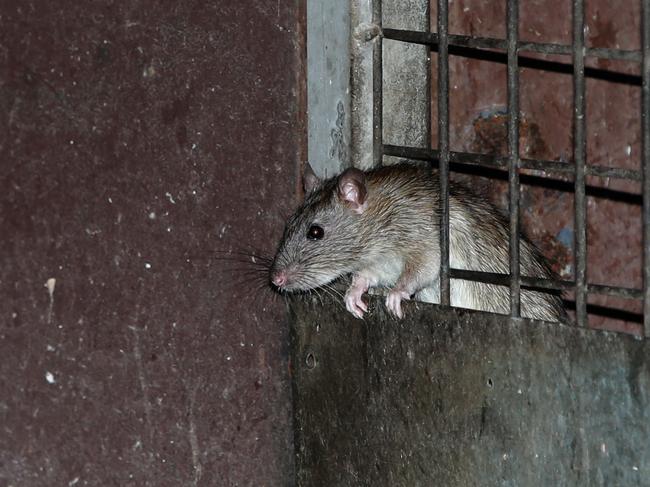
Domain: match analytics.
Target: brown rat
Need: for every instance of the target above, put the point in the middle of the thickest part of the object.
(382, 228)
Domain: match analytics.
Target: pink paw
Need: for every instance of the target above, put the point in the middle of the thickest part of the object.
(354, 303)
(394, 302)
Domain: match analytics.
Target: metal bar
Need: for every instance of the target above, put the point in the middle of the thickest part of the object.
(537, 283)
(495, 55)
(619, 292)
(432, 39)
(422, 154)
(512, 21)
(579, 146)
(443, 147)
(377, 89)
(614, 172)
(504, 280)
(428, 83)
(645, 162)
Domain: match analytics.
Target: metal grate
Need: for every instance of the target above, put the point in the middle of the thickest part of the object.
(510, 51)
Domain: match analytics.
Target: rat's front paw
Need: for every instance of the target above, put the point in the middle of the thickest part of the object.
(394, 302)
(354, 303)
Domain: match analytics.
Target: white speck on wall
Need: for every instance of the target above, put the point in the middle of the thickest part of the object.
(149, 72)
(194, 192)
(635, 468)
(72, 142)
(49, 377)
(152, 215)
(169, 229)
(73, 481)
(228, 357)
(50, 348)
(147, 265)
(628, 150)
(170, 198)
(50, 284)
(194, 146)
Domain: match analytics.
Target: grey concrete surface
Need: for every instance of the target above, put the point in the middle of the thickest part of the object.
(459, 398)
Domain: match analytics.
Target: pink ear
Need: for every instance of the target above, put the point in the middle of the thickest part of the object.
(309, 179)
(352, 189)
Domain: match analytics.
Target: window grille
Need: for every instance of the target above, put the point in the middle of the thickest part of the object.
(512, 52)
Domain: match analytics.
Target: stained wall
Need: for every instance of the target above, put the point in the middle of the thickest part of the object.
(141, 144)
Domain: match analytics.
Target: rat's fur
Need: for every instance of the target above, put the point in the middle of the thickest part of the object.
(382, 228)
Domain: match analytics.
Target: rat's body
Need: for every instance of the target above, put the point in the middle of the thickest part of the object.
(382, 227)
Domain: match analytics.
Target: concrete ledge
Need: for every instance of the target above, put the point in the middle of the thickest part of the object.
(458, 398)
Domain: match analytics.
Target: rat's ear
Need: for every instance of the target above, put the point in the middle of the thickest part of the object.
(309, 179)
(352, 189)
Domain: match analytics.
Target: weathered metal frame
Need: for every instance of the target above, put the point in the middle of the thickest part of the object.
(446, 160)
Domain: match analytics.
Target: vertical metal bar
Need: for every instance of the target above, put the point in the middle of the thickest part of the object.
(443, 146)
(645, 162)
(513, 154)
(428, 83)
(579, 147)
(377, 88)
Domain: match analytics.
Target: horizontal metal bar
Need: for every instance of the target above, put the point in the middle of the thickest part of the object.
(544, 284)
(421, 154)
(607, 312)
(504, 280)
(431, 39)
(619, 292)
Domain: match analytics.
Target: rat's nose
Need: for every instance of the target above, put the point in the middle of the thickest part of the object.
(279, 278)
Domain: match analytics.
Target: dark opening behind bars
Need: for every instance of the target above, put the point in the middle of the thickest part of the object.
(475, 47)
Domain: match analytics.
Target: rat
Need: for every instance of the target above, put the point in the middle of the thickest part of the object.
(381, 227)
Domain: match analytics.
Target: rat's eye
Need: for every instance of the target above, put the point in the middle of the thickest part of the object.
(315, 232)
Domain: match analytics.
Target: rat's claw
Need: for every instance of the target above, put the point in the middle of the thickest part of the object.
(353, 301)
(355, 305)
(394, 302)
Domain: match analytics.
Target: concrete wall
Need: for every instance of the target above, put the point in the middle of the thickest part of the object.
(460, 398)
(140, 142)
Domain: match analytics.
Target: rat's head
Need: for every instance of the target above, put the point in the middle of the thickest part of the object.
(322, 240)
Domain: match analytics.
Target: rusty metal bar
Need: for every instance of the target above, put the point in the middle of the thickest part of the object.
(377, 89)
(418, 153)
(579, 148)
(432, 39)
(645, 162)
(513, 156)
(443, 147)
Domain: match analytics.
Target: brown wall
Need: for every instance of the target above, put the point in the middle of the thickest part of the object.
(138, 140)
